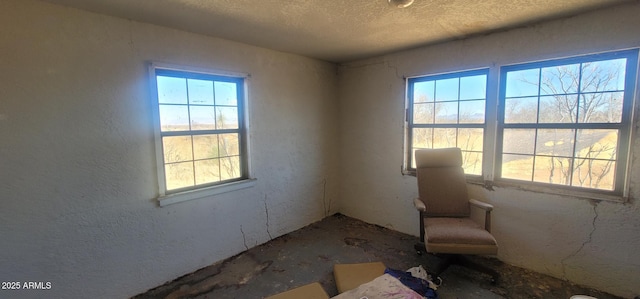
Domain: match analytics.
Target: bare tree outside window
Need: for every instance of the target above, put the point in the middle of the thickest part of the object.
(562, 123)
(561, 126)
(449, 111)
(200, 128)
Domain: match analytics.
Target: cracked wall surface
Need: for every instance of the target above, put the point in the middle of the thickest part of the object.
(77, 160)
(78, 165)
(564, 262)
(580, 240)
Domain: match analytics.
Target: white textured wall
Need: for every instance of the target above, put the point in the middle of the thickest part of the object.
(77, 162)
(557, 235)
(77, 159)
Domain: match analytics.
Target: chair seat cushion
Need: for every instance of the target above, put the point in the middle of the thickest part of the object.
(458, 236)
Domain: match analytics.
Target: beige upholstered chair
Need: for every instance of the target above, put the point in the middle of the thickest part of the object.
(446, 225)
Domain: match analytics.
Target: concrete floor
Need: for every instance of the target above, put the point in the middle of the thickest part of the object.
(307, 255)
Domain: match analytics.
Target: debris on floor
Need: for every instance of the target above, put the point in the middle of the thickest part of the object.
(307, 255)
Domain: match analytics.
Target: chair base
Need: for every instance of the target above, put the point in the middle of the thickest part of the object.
(457, 259)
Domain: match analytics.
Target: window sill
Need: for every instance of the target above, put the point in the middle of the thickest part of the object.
(489, 185)
(589, 195)
(205, 192)
(471, 178)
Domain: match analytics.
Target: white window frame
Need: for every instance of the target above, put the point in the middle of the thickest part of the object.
(624, 128)
(494, 126)
(411, 125)
(166, 197)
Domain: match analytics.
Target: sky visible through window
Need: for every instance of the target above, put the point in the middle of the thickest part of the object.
(197, 102)
(449, 111)
(199, 128)
(527, 82)
(562, 122)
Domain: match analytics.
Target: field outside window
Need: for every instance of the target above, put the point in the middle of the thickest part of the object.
(449, 111)
(567, 122)
(560, 125)
(201, 129)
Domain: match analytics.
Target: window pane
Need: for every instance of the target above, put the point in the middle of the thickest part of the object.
(470, 139)
(439, 109)
(598, 174)
(521, 110)
(226, 118)
(472, 112)
(200, 126)
(522, 83)
(517, 167)
(200, 92)
(174, 118)
(171, 90)
(423, 113)
(559, 80)
(555, 142)
(423, 91)
(519, 141)
(605, 75)
(447, 90)
(422, 138)
(444, 138)
(473, 88)
(207, 171)
(205, 146)
(177, 149)
(229, 168)
(229, 145)
(601, 107)
(179, 175)
(558, 109)
(203, 118)
(597, 144)
(472, 162)
(552, 170)
(446, 113)
(580, 117)
(226, 93)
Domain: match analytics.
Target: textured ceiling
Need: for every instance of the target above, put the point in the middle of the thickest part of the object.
(339, 30)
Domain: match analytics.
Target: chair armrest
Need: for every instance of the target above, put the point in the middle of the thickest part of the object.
(487, 212)
(485, 206)
(419, 205)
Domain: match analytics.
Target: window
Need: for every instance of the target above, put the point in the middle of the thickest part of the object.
(448, 111)
(200, 129)
(560, 126)
(567, 122)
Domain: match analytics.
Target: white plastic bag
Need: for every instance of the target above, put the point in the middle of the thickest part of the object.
(421, 273)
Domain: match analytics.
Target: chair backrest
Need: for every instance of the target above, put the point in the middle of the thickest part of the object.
(442, 185)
